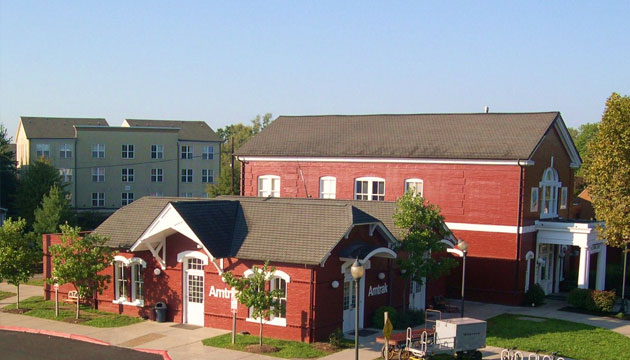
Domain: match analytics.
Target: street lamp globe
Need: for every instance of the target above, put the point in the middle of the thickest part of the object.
(357, 270)
(462, 245)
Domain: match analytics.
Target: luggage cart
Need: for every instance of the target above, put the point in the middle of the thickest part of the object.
(397, 341)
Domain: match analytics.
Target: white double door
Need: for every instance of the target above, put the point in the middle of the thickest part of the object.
(193, 296)
(350, 302)
(545, 266)
(417, 295)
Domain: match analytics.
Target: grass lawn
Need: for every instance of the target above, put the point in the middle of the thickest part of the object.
(38, 307)
(35, 282)
(287, 349)
(578, 341)
(6, 294)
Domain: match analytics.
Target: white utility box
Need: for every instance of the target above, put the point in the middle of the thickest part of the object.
(460, 334)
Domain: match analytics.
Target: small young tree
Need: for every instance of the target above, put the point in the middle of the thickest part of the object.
(54, 211)
(79, 261)
(18, 254)
(254, 293)
(422, 231)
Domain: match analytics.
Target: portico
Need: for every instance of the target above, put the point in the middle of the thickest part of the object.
(554, 239)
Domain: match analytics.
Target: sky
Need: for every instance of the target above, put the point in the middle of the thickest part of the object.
(226, 62)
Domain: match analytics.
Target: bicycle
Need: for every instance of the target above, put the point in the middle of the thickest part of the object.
(511, 354)
(553, 356)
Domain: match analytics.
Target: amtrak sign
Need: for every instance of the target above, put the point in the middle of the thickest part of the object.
(220, 293)
(377, 290)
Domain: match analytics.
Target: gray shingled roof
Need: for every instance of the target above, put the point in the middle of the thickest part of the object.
(56, 128)
(289, 230)
(189, 130)
(490, 136)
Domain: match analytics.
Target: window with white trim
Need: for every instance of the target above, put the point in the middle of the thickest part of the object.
(127, 174)
(98, 174)
(549, 196)
(369, 188)
(563, 197)
(186, 194)
(349, 298)
(187, 175)
(157, 175)
(98, 151)
(129, 281)
(137, 282)
(187, 152)
(128, 151)
(416, 186)
(207, 175)
(65, 151)
(66, 175)
(269, 186)
(98, 199)
(127, 198)
(327, 187)
(157, 193)
(208, 153)
(278, 283)
(120, 281)
(157, 151)
(42, 150)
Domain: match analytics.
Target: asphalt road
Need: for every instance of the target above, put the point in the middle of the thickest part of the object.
(24, 346)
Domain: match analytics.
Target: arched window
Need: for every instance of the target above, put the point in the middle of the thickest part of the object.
(327, 187)
(369, 188)
(129, 280)
(549, 197)
(416, 186)
(277, 281)
(269, 186)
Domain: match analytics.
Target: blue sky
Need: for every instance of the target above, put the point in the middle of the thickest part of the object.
(225, 62)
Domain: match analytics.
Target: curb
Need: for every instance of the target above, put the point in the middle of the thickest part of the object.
(83, 338)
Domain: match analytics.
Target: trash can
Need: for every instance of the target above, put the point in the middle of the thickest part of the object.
(160, 312)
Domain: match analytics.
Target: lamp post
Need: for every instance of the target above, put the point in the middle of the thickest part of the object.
(623, 283)
(357, 270)
(463, 246)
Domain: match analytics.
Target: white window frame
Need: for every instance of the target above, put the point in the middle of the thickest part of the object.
(275, 321)
(128, 151)
(187, 175)
(99, 199)
(98, 174)
(65, 151)
(331, 192)
(66, 175)
(119, 280)
(42, 150)
(127, 174)
(187, 151)
(564, 196)
(157, 151)
(126, 198)
(549, 206)
(98, 151)
(207, 176)
(186, 195)
(208, 153)
(534, 199)
(370, 187)
(415, 181)
(158, 193)
(266, 186)
(157, 175)
(121, 262)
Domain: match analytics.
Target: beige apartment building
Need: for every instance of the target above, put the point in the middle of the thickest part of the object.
(106, 167)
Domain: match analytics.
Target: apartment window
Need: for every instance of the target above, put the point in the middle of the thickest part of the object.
(327, 187)
(42, 150)
(128, 151)
(416, 186)
(98, 174)
(207, 176)
(157, 151)
(208, 153)
(98, 199)
(66, 175)
(127, 198)
(549, 196)
(98, 151)
(65, 151)
(269, 186)
(127, 174)
(369, 188)
(157, 175)
(187, 152)
(157, 194)
(187, 175)
(187, 194)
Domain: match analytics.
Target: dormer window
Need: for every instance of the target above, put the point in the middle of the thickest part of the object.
(549, 197)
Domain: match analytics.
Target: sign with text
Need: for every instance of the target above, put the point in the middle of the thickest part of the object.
(377, 290)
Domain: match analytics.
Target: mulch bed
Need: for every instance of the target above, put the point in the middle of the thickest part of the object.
(15, 311)
(261, 349)
(582, 311)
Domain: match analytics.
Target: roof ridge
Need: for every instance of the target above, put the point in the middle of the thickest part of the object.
(432, 114)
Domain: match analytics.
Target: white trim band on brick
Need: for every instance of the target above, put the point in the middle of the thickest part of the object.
(506, 229)
(387, 160)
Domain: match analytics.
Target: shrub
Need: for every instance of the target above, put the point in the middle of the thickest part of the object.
(604, 300)
(378, 318)
(535, 295)
(581, 299)
(335, 338)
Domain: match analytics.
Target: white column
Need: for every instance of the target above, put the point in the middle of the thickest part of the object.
(556, 284)
(600, 277)
(585, 262)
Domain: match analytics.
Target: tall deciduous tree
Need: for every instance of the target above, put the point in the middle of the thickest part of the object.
(8, 173)
(422, 231)
(54, 211)
(607, 171)
(237, 134)
(79, 261)
(581, 137)
(35, 181)
(18, 254)
(254, 293)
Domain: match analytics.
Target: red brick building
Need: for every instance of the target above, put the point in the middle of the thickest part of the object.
(174, 250)
(502, 181)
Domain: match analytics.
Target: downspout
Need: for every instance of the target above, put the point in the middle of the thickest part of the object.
(178, 177)
(518, 225)
(311, 308)
(242, 189)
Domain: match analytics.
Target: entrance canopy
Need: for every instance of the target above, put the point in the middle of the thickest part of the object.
(364, 252)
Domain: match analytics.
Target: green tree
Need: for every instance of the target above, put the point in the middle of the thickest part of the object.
(607, 171)
(35, 181)
(237, 134)
(254, 293)
(581, 137)
(8, 172)
(422, 231)
(79, 261)
(18, 254)
(54, 211)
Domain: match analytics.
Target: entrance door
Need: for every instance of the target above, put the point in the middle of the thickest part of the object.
(193, 291)
(349, 303)
(545, 267)
(417, 296)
